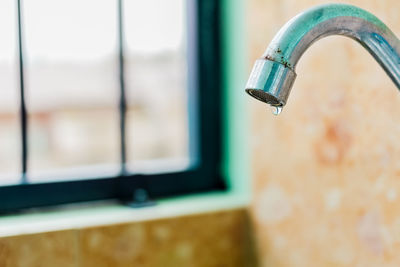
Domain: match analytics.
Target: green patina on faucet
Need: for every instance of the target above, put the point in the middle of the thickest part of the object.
(273, 75)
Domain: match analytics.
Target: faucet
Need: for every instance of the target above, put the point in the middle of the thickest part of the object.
(273, 75)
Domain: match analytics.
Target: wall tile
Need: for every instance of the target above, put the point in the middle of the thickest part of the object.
(220, 239)
(40, 250)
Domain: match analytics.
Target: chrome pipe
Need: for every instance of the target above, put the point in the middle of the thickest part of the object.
(273, 75)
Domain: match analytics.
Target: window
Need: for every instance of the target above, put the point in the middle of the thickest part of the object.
(103, 98)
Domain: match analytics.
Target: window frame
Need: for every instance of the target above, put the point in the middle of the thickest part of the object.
(205, 127)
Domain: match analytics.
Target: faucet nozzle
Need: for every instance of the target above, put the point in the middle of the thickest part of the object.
(270, 82)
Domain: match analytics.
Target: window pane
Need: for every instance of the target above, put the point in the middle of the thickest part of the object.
(72, 87)
(157, 132)
(10, 145)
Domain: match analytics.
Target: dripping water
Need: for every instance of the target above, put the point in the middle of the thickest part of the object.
(276, 110)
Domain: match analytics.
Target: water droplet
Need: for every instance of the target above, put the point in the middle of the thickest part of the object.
(276, 110)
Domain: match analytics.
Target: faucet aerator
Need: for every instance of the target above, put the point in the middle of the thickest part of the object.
(270, 82)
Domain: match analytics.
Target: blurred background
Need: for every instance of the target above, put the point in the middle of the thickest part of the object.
(324, 174)
(71, 85)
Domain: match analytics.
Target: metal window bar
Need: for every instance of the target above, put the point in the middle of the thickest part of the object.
(23, 112)
(122, 100)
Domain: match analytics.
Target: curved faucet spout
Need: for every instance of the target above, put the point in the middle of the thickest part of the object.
(273, 75)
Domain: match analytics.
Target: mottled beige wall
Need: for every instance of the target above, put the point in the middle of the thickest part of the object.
(218, 239)
(327, 170)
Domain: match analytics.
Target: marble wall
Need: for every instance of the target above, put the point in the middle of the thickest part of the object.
(218, 239)
(327, 170)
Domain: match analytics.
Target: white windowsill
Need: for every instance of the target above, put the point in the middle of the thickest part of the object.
(107, 213)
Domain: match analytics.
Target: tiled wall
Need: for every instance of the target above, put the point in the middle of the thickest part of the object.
(220, 239)
(327, 170)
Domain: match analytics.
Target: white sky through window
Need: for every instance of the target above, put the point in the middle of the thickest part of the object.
(154, 26)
